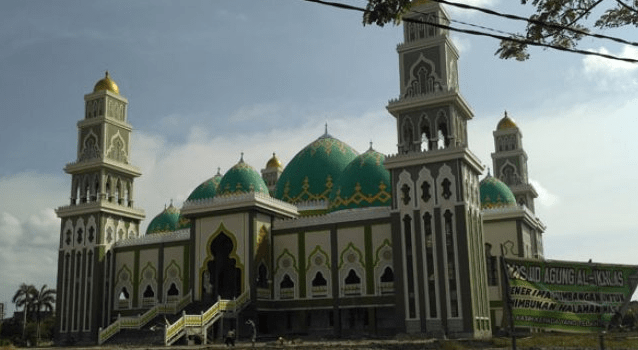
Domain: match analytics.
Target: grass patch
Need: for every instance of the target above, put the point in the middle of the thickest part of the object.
(576, 341)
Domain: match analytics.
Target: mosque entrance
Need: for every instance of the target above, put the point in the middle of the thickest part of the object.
(223, 276)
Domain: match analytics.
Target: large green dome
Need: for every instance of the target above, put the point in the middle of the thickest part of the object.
(208, 188)
(310, 175)
(495, 194)
(241, 178)
(168, 220)
(365, 182)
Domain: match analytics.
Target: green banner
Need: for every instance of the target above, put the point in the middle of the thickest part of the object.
(568, 296)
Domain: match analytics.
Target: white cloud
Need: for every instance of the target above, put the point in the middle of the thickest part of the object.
(10, 229)
(172, 171)
(29, 229)
(545, 197)
(611, 74)
(456, 12)
(463, 44)
(258, 112)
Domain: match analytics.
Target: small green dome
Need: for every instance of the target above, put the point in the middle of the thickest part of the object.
(208, 188)
(310, 175)
(365, 182)
(241, 178)
(168, 220)
(495, 194)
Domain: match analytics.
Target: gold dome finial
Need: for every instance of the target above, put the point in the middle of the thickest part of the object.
(106, 84)
(506, 123)
(273, 162)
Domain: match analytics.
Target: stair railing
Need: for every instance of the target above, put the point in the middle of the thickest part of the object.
(137, 322)
(174, 331)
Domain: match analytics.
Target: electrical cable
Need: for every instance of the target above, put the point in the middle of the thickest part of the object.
(500, 37)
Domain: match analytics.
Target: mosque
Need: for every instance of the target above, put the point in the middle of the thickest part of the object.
(335, 243)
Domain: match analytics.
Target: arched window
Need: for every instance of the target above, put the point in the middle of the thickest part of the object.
(388, 275)
(262, 276)
(408, 136)
(96, 189)
(287, 282)
(172, 290)
(405, 190)
(124, 295)
(319, 280)
(352, 278)
(148, 292)
(426, 133)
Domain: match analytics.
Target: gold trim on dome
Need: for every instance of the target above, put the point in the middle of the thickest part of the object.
(325, 195)
(357, 197)
(106, 84)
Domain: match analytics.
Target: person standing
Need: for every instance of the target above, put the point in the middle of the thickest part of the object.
(230, 338)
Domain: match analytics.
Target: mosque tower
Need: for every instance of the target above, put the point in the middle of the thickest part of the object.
(441, 282)
(510, 162)
(100, 213)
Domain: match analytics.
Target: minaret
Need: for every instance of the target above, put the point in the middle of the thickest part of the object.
(100, 213)
(272, 172)
(510, 161)
(441, 280)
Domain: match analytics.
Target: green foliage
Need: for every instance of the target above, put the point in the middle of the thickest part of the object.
(33, 302)
(551, 24)
(451, 345)
(380, 12)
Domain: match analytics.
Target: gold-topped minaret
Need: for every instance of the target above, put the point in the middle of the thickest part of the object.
(106, 84)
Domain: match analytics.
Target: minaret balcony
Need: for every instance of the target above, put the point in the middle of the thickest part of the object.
(99, 163)
(432, 99)
(101, 205)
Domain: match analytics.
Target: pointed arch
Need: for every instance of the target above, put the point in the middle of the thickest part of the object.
(123, 288)
(442, 129)
(90, 146)
(317, 271)
(286, 269)
(233, 255)
(352, 271)
(172, 281)
(117, 148)
(425, 130)
(423, 79)
(383, 260)
(446, 185)
(407, 135)
(405, 190)
(508, 173)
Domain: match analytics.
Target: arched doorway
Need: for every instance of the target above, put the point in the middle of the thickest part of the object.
(224, 276)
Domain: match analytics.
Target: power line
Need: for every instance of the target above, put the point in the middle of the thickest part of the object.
(630, 8)
(524, 41)
(494, 36)
(542, 23)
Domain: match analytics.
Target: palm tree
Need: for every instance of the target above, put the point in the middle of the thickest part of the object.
(23, 298)
(42, 299)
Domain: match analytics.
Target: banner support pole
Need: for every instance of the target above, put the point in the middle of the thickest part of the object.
(507, 297)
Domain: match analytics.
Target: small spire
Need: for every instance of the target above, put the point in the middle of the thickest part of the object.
(371, 149)
(241, 160)
(488, 169)
(219, 171)
(106, 74)
(506, 113)
(326, 132)
(273, 154)
(171, 202)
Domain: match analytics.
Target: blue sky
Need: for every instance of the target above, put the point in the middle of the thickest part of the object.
(207, 80)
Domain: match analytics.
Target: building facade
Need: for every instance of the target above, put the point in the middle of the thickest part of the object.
(335, 243)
